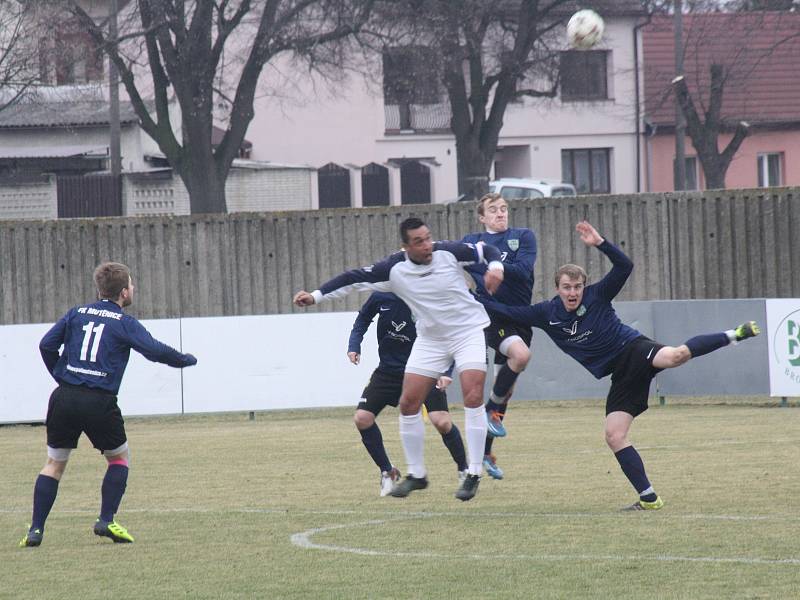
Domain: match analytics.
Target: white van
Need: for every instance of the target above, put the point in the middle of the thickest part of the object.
(512, 188)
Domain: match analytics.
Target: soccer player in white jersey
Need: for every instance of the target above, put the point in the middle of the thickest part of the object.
(428, 276)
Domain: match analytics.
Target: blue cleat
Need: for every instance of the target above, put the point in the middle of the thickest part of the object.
(494, 424)
(490, 464)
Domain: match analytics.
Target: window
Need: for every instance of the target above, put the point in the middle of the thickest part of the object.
(70, 57)
(770, 172)
(584, 75)
(691, 173)
(410, 76)
(588, 170)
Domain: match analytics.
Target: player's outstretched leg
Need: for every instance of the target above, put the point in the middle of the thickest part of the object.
(703, 344)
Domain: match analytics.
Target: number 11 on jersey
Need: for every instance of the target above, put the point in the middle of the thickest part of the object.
(90, 329)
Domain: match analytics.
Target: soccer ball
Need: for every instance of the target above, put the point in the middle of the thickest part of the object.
(585, 29)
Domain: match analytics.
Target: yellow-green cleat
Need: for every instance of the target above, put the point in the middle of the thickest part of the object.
(113, 530)
(746, 330)
(642, 505)
(32, 539)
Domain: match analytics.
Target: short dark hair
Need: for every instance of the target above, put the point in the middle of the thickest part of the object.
(409, 224)
(111, 278)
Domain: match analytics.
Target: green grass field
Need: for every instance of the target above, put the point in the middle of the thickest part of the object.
(287, 506)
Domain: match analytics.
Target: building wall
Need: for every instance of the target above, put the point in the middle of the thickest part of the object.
(29, 200)
(132, 145)
(163, 193)
(743, 170)
(315, 123)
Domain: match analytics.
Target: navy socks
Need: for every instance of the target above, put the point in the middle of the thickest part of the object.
(112, 490)
(452, 439)
(44, 494)
(505, 380)
(633, 467)
(373, 442)
(703, 344)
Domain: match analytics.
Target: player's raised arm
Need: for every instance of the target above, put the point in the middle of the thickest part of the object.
(615, 279)
(588, 234)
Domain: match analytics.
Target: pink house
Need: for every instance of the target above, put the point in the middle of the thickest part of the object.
(760, 53)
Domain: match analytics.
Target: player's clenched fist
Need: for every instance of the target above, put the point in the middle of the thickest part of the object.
(303, 298)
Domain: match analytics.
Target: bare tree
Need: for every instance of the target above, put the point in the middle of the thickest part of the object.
(727, 52)
(487, 55)
(705, 133)
(184, 44)
(18, 57)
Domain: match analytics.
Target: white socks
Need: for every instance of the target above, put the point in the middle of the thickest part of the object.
(412, 434)
(475, 427)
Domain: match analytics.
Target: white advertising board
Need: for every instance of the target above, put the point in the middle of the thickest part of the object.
(274, 361)
(25, 384)
(783, 336)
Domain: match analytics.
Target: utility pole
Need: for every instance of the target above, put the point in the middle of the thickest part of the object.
(680, 121)
(113, 97)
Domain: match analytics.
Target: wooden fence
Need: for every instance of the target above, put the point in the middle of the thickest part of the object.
(718, 244)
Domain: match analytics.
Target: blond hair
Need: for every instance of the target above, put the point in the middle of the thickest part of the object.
(486, 199)
(571, 271)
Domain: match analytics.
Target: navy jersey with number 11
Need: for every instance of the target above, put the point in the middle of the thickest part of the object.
(97, 340)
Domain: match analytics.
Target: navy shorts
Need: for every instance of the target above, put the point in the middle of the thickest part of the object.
(75, 409)
(631, 375)
(500, 330)
(384, 389)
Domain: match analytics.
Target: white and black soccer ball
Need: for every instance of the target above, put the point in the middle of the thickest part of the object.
(585, 29)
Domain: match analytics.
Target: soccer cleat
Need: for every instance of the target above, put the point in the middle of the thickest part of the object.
(494, 424)
(642, 505)
(468, 488)
(32, 539)
(113, 530)
(746, 330)
(408, 485)
(490, 464)
(388, 479)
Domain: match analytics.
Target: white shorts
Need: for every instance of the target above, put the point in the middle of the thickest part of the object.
(432, 357)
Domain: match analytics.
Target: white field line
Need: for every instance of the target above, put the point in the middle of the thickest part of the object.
(303, 540)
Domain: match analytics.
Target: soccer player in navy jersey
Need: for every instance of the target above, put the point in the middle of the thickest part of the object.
(582, 322)
(510, 341)
(396, 334)
(97, 340)
(428, 276)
